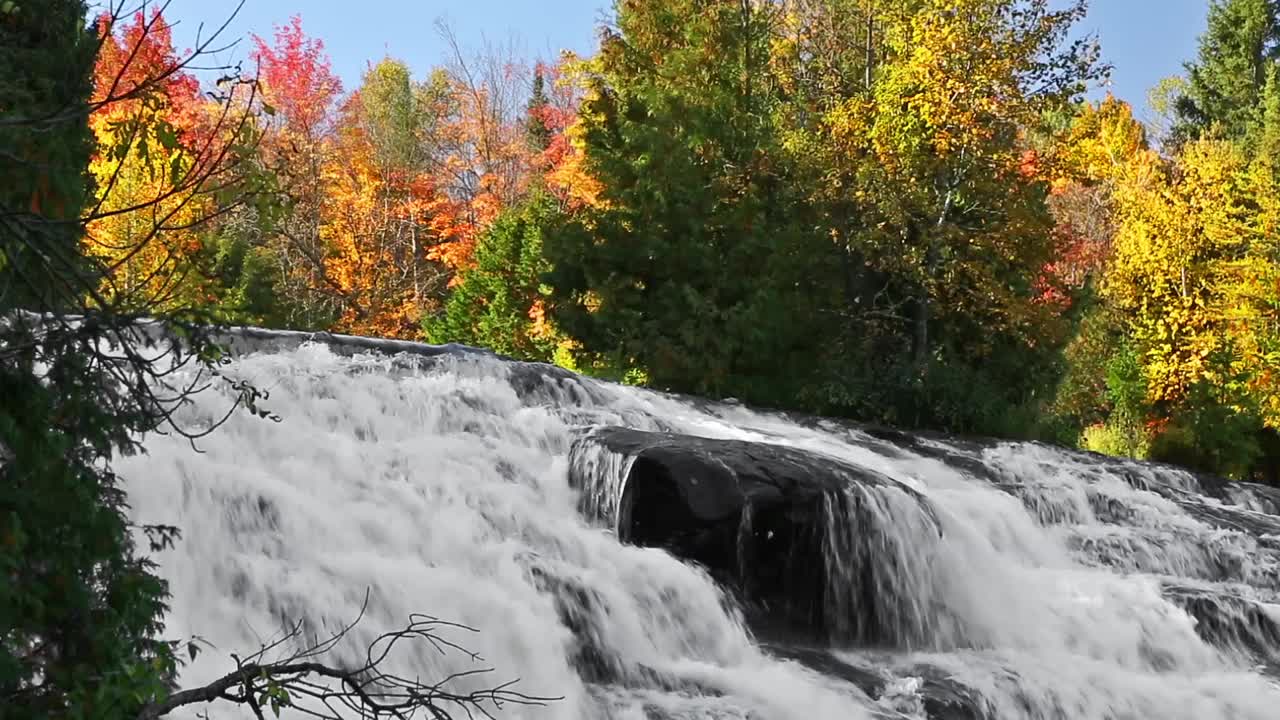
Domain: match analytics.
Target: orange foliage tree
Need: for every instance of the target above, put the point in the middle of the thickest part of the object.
(562, 160)
(479, 155)
(150, 153)
(382, 214)
(302, 93)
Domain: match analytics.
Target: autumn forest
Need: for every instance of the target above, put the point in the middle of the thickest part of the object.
(905, 213)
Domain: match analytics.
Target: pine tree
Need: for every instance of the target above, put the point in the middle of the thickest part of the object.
(1268, 146)
(695, 266)
(1226, 81)
(536, 130)
(500, 302)
(81, 380)
(46, 62)
(79, 607)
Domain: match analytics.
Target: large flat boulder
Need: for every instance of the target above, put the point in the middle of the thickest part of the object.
(808, 543)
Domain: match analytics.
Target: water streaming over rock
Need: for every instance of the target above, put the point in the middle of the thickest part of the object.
(991, 580)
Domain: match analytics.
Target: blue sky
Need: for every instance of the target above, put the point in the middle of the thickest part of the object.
(1144, 39)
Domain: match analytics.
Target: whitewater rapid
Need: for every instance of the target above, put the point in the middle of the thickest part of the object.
(439, 485)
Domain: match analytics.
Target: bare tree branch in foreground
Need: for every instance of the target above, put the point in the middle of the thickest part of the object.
(302, 681)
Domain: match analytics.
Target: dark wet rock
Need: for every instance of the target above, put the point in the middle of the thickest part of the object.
(1264, 498)
(942, 697)
(1226, 557)
(251, 514)
(581, 611)
(794, 534)
(1229, 517)
(961, 453)
(1109, 509)
(1044, 504)
(1055, 505)
(1230, 622)
(946, 699)
(870, 681)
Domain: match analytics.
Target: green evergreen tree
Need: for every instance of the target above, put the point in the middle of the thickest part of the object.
(699, 266)
(79, 608)
(491, 305)
(1269, 133)
(1226, 81)
(46, 61)
(537, 133)
(245, 270)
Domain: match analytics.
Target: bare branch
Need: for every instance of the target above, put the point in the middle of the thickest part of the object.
(302, 680)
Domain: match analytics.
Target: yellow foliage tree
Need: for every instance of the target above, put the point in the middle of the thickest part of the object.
(1194, 254)
(381, 210)
(935, 153)
(149, 170)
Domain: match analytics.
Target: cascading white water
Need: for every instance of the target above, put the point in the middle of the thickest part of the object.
(441, 486)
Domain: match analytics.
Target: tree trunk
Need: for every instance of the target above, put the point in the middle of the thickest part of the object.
(920, 333)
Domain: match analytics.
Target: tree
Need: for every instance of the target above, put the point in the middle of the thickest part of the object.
(381, 214)
(537, 131)
(562, 160)
(693, 266)
(1225, 83)
(1173, 233)
(480, 157)
(302, 93)
(500, 302)
(1095, 397)
(1194, 241)
(1267, 149)
(967, 78)
(917, 135)
(1162, 108)
(80, 377)
(290, 673)
(46, 152)
(149, 149)
(391, 116)
(1174, 356)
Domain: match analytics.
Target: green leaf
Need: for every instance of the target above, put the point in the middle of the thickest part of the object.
(167, 136)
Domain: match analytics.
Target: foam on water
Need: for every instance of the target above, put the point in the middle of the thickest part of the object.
(440, 485)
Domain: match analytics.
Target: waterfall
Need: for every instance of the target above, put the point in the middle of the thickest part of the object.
(1041, 583)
